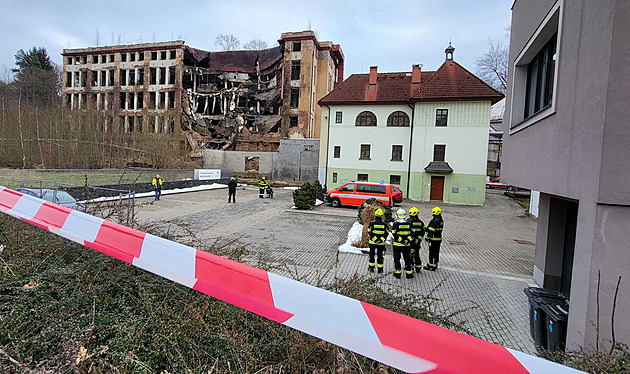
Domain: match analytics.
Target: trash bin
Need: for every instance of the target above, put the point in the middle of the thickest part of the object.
(557, 312)
(538, 297)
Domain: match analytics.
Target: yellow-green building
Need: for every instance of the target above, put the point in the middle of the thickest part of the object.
(423, 131)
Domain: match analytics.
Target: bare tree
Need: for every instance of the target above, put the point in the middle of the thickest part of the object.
(492, 67)
(228, 42)
(255, 44)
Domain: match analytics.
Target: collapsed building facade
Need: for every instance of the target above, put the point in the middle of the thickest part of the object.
(231, 100)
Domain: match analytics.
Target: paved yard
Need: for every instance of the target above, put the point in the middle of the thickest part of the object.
(483, 269)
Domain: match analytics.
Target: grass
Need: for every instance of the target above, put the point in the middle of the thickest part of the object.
(95, 177)
(66, 308)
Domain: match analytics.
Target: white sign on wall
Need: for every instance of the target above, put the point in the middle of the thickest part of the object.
(207, 174)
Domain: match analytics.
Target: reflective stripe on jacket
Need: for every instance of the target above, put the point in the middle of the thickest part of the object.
(262, 184)
(417, 227)
(434, 229)
(402, 233)
(377, 230)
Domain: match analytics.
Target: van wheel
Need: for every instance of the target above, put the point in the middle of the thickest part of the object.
(335, 203)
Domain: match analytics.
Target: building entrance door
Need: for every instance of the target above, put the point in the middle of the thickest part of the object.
(437, 189)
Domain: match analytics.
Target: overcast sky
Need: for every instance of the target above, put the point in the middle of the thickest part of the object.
(393, 34)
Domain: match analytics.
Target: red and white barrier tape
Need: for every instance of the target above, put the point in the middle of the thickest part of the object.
(396, 340)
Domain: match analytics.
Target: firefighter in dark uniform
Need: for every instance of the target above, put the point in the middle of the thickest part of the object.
(434, 237)
(262, 185)
(417, 230)
(377, 230)
(401, 229)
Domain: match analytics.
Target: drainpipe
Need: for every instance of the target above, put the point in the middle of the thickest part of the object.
(327, 146)
(410, 143)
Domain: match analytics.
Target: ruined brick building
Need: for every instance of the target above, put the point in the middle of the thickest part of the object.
(235, 100)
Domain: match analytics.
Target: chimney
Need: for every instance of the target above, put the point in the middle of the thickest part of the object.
(416, 74)
(373, 70)
(372, 88)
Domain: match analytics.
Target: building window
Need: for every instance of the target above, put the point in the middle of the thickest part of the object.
(334, 177)
(295, 70)
(439, 151)
(338, 117)
(394, 179)
(297, 46)
(365, 152)
(163, 55)
(441, 116)
(132, 56)
(362, 177)
(540, 77)
(337, 151)
(365, 119)
(397, 151)
(293, 121)
(295, 97)
(173, 54)
(123, 57)
(398, 119)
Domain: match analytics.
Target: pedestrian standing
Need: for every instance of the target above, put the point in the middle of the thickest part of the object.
(377, 231)
(401, 229)
(434, 237)
(261, 187)
(417, 231)
(157, 186)
(232, 190)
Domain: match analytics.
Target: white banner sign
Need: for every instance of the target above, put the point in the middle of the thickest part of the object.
(206, 174)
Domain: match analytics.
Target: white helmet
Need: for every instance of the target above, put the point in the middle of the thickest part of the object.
(401, 214)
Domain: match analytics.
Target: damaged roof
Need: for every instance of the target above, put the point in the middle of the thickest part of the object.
(235, 61)
(450, 82)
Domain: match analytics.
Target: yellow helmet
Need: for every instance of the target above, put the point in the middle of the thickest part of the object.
(378, 212)
(264, 178)
(413, 211)
(436, 211)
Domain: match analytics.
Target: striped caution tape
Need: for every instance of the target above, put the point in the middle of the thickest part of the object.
(396, 340)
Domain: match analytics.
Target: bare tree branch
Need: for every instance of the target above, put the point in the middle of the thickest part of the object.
(255, 44)
(492, 67)
(228, 42)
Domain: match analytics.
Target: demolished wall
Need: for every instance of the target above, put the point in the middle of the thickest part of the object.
(232, 99)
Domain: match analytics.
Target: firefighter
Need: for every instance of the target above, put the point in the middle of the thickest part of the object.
(434, 237)
(401, 229)
(417, 230)
(377, 230)
(262, 185)
(157, 186)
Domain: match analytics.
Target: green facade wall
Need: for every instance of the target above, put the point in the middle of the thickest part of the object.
(471, 188)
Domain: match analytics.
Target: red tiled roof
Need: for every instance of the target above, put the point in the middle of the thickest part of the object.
(451, 81)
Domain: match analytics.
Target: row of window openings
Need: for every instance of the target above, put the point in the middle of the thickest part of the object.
(393, 179)
(396, 119)
(128, 77)
(156, 125)
(124, 57)
(439, 152)
(128, 100)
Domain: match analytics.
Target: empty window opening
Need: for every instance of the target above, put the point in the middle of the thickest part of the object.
(163, 55)
(295, 97)
(162, 76)
(132, 56)
(123, 57)
(152, 99)
(171, 99)
(293, 121)
(140, 77)
(110, 77)
(123, 77)
(153, 73)
(139, 100)
(295, 70)
(162, 100)
(123, 100)
(171, 75)
(297, 46)
(173, 54)
(68, 79)
(154, 55)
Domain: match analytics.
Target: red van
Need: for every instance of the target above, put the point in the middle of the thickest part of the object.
(355, 193)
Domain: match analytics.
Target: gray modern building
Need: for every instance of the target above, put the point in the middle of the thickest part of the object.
(567, 135)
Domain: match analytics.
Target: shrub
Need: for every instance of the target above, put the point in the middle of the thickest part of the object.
(304, 197)
(319, 190)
